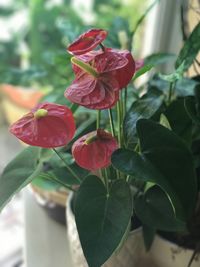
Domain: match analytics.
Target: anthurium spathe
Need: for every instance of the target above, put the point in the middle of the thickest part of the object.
(93, 151)
(87, 41)
(48, 125)
(99, 77)
(125, 74)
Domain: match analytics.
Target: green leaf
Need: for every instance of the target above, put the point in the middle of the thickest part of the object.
(154, 209)
(142, 71)
(179, 120)
(175, 76)
(45, 182)
(171, 157)
(164, 121)
(132, 163)
(102, 220)
(18, 173)
(159, 58)
(64, 176)
(183, 87)
(142, 108)
(148, 235)
(190, 106)
(190, 49)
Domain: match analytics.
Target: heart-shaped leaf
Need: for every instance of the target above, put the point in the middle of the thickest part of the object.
(154, 209)
(179, 120)
(142, 108)
(18, 173)
(102, 219)
(171, 157)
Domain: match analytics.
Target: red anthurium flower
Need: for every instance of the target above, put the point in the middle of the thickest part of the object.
(96, 85)
(125, 74)
(48, 125)
(87, 41)
(93, 151)
(139, 64)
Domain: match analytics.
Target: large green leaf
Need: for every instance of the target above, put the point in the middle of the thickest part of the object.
(154, 209)
(191, 109)
(171, 157)
(179, 119)
(148, 235)
(132, 163)
(190, 49)
(183, 87)
(102, 219)
(18, 173)
(142, 108)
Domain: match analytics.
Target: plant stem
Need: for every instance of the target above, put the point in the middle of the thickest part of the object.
(111, 122)
(125, 101)
(171, 88)
(98, 119)
(102, 47)
(119, 123)
(67, 166)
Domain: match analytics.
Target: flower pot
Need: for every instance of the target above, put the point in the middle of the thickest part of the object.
(17, 101)
(167, 254)
(53, 202)
(131, 254)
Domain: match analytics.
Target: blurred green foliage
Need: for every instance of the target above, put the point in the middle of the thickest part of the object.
(49, 29)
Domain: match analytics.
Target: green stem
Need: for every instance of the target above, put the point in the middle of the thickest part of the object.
(102, 47)
(125, 101)
(98, 118)
(119, 123)
(171, 89)
(67, 166)
(111, 122)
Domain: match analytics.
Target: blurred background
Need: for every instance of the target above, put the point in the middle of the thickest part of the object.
(35, 66)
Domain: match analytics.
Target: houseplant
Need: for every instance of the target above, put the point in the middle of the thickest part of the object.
(153, 147)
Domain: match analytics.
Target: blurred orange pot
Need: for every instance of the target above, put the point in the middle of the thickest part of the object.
(17, 101)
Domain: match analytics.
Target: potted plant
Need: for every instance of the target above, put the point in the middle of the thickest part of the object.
(144, 162)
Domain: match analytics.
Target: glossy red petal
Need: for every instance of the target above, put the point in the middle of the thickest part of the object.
(125, 74)
(94, 93)
(109, 61)
(83, 85)
(111, 98)
(87, 41)
(96, 154)
(56, 129)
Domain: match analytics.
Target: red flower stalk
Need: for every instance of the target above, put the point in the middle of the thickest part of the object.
(48, 125)
(87, 41)
(99, 77)
(93, 151)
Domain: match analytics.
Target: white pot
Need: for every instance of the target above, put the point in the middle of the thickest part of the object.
(132, 253)
(167, 254)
